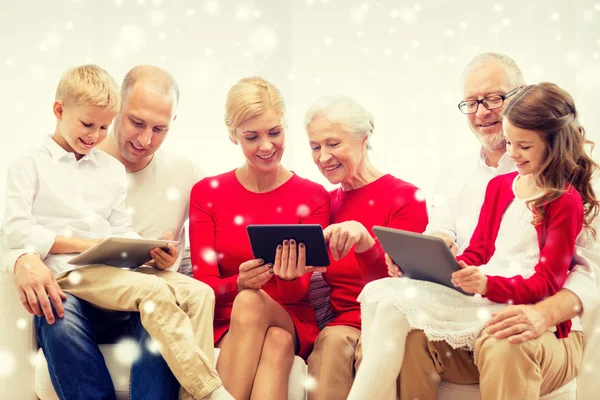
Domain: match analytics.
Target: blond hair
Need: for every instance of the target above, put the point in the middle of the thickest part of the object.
(248, 98)
(89, 85)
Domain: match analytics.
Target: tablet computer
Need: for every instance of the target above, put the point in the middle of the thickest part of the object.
(121, 252)
(420, 257)
(265, 239)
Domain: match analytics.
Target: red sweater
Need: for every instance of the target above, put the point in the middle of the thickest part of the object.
(387, 202)
(556, 239)
(220, 209)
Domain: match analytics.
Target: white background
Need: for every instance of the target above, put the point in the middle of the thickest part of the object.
(400, 59)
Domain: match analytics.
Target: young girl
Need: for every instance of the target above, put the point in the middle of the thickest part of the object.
(520, 252)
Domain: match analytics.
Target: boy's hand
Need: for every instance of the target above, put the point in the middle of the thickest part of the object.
(470, 279)
(37, 286)
(163, 259)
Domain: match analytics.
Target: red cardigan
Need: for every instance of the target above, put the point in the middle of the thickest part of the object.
(556, 239)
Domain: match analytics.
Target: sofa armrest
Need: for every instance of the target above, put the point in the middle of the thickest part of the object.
(17, 344)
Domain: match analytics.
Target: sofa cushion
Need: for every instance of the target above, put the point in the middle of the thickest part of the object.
(318, 296)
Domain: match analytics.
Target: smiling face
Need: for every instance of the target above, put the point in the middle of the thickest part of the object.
(526, 148)
(80, 128)
(336, 152)
(489, 79)
(262, 139)
(143, 124)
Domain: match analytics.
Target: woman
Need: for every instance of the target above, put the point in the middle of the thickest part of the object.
(262, 314)
(339, 130)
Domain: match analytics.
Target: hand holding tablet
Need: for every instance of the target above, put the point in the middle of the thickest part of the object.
(291, 249)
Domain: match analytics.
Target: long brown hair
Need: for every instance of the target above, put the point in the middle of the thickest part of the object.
(550, 111)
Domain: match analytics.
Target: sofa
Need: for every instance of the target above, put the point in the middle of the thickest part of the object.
(24, 372)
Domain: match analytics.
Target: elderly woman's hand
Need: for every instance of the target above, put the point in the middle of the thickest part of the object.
(343, 236)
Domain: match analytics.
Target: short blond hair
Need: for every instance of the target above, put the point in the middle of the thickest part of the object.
(248, 98)
(89, 85)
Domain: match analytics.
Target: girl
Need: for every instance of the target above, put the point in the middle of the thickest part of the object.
(520, 252)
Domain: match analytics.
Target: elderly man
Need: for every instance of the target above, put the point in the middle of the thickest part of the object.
(513, 359)
(158, 196)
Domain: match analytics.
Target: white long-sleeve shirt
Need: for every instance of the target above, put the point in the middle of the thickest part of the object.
(455, 208)
(50, 193)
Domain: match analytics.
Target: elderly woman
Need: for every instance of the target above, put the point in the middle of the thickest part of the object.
(339, 130)
(262, 313)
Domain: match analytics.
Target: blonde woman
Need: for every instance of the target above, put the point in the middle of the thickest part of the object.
(262, 314)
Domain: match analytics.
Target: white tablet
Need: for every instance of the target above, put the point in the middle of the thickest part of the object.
(420, 257)
(121, 252)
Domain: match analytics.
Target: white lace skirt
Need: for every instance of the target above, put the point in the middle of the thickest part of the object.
(440, 312)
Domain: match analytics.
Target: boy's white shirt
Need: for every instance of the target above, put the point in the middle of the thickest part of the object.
(455, 208)
(50, 193)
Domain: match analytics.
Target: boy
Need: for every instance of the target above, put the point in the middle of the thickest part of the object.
(65, 196)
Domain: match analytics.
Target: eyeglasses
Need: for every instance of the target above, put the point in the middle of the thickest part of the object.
(489, 102)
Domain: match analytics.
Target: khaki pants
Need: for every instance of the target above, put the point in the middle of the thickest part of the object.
(333, 362)
(176, 310)
(504, 371)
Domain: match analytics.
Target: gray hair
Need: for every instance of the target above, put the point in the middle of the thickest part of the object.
(155, 76)
(344, 110)
(512, 72)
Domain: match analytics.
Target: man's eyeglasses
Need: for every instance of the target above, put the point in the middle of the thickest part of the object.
(489, 102)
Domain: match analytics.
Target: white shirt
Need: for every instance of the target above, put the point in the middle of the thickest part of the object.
(455, 208)
(158, 198)
(50, 193)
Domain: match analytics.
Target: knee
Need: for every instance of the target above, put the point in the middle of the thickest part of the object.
(278, 348)
(67, 326)
(337, 341)
(249, 309)
(499, 352)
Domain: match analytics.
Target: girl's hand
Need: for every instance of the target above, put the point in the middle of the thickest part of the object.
(393, 270)
(343, 236)
(470, 279)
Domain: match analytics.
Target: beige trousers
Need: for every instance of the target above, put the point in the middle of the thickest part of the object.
(176, 310)
(333, 362)
(522, 371)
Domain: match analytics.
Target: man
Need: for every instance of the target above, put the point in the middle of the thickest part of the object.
(512, 359)
(158, 195)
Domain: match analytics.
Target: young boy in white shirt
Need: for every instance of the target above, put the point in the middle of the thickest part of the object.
(65, 196)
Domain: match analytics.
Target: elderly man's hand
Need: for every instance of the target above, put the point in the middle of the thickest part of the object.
(518, 323)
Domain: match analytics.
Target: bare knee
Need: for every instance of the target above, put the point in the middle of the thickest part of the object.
(249, 309)
(278, 347)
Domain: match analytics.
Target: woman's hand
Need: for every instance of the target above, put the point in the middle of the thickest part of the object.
(393, 270)
(343, 236)
(470, 279)
(254, 274)
(290, 261)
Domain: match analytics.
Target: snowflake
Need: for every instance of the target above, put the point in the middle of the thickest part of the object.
(209, 255)
(119, 3)
(371, 202)
(131, 39)
(463, 26)
(360, 34)
(69, 25)
(172, 194)
(279, 210)
(214, 183)
(328, 41)
(153, 346)
(130, 211)
(157, 18)
(505, 21)
(124, 255)
(498, 7)
(212, 8)
(420, 195)
(448, 354)
(36, 359)
(189, 13)
(411, 292)
(21, 323)
(74, 277)
(238, 220)
(415, 44)
(388, 51)
(263, 39)
(555, 16)
(572, 58)
(243, 14)
(483, 314)
(310, 2)
(9, 62)
(256, 13)
(162, 35)
(358, 15)
(310, 383)
(449, 33)
(126, 351)
(149, 306)
(317, 80)
(303, 211)
(7, 364)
